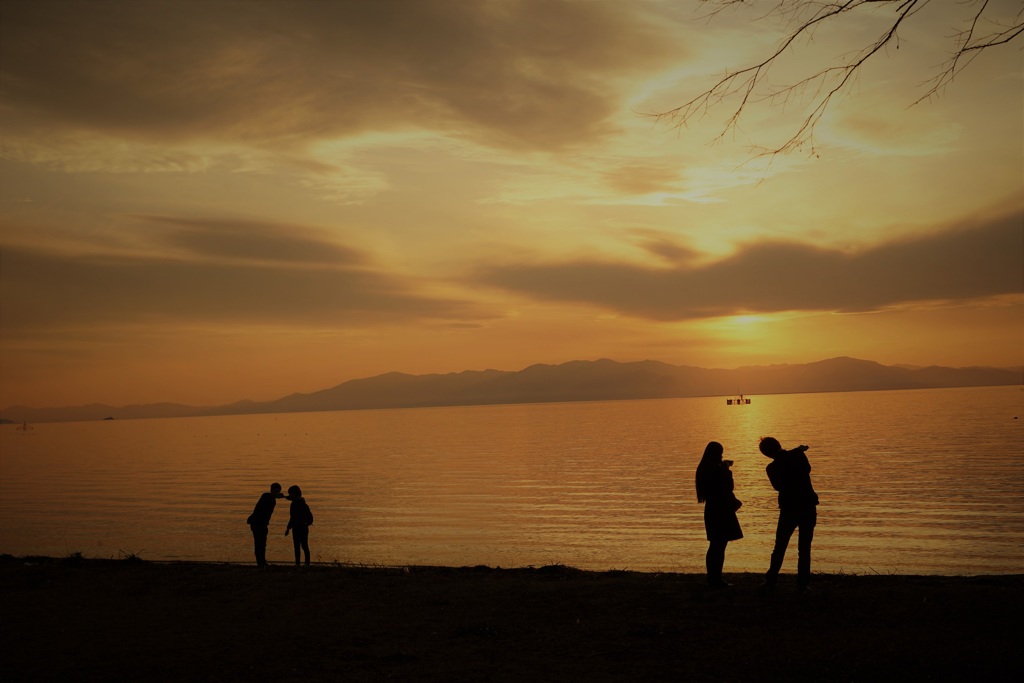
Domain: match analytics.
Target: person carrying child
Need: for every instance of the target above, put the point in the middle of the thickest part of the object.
(715, 489)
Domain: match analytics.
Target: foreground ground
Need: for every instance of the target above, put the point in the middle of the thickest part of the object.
(91, 620)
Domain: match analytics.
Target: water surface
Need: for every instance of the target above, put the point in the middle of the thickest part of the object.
(913, 482)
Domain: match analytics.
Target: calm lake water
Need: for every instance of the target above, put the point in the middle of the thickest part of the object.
(911, 482)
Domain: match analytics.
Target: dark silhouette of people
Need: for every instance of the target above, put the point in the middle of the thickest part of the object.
(790, 475)
(715, 490)
(259, 522)
(299, 520)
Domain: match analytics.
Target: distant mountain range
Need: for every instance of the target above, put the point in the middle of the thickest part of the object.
(599, 380)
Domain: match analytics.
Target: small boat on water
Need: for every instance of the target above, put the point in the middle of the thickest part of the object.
(738, 401)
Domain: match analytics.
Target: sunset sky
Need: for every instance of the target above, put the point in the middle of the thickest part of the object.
(202, 202)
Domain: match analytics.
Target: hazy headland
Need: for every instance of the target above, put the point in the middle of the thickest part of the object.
(599, 380)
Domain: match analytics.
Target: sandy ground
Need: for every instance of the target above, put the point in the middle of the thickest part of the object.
(92, 620)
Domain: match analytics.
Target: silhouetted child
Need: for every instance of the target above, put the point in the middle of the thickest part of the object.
(790, 475)
(715, 490)
(299, 520)
(259, 522)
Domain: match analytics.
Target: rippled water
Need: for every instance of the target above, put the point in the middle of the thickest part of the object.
(912, 482)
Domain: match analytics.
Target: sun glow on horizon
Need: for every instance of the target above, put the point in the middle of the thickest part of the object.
(478, 194)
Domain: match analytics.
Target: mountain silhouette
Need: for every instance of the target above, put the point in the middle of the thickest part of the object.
(599, 380)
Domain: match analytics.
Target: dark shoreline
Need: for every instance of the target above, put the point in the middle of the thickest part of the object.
(129, 619)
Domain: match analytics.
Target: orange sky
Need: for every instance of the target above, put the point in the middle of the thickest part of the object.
(204, 202)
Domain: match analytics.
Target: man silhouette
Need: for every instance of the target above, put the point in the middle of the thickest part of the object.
(259, 522)
(790, 475)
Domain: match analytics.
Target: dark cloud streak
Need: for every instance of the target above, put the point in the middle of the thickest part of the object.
(516, 72)
(252, 241)
(973, 261)
(45, 290)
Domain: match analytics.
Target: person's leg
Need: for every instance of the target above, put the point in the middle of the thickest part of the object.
(296, 544)
(715, 560)
(783, 532)
(259, 539)
(808, 520)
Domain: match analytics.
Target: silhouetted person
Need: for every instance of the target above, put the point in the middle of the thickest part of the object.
(790, 475)
(259, 522)
(715, 490)
(299, 520)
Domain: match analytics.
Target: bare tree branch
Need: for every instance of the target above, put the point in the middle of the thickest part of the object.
(749, 85)
(970, 46)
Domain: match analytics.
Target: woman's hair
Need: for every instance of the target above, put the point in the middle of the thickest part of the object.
(709, 463)
(294, 491)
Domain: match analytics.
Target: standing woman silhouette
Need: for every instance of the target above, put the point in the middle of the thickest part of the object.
(714, 489)
(299, 520)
